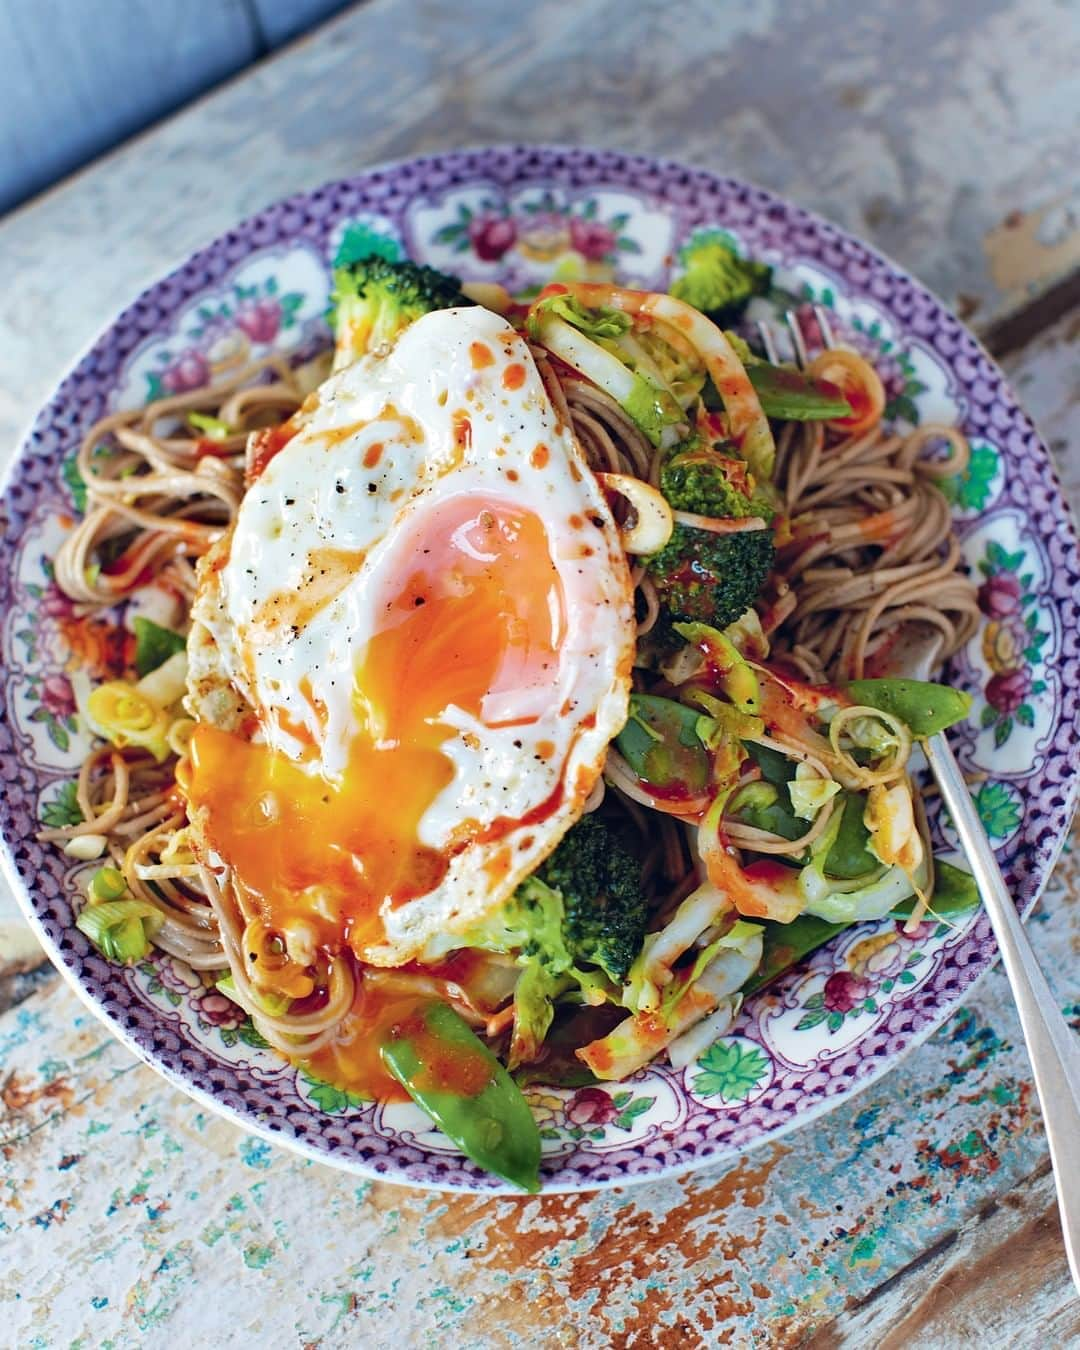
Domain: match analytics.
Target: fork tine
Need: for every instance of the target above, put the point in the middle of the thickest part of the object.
(768, 341)
(802, 359)
(825, 326)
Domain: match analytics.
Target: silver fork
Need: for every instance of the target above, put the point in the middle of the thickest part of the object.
(1052, 1047)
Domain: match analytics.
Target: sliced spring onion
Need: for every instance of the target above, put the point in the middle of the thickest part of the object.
(120, 929)
(273, 1005)
(212, 428)
(167, 682)
(107, 883)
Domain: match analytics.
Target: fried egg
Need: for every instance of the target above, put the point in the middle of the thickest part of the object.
(421, 628)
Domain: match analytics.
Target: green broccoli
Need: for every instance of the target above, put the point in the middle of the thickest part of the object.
(696, 478)
(582, 909)
(375, 299)
(710, 578)
(716, 280)
(584, 905)
(604, 909)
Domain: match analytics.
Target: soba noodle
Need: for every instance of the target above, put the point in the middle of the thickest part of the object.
(870, 548)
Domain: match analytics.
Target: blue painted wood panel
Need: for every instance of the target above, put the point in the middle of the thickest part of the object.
(282, 20)
(79, 76)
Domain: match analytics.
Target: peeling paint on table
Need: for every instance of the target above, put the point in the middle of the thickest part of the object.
(129, 1216)
(129, 1211)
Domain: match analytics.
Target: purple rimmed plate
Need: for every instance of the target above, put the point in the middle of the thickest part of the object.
(523, 215)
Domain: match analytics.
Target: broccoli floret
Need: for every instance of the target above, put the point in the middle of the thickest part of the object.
(582, 909)
(604, 909)
(584, 905)
(716, 280)
(375, 298)
(710, 578)
(698, 479)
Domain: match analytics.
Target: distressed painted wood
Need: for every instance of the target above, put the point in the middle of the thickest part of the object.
(130, 1212)
(919, 1214)
(939, 132)
(1006, 1260)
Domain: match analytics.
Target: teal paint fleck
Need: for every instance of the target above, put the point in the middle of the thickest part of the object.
(972, 1144)
(98, 1127)
(256, 1255)
(99, 1301)
(256, 1153)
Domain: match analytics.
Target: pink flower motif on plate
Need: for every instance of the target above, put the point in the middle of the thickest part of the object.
(491, 236)
(844, 991)
(594, 240)
(190, 370)
(591, 1106)
(259, 319)
(57, 695)
(216, 1010)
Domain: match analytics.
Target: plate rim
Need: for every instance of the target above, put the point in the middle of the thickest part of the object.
(721, 1154)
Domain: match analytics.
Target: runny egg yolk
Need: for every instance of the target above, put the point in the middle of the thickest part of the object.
(474, 620)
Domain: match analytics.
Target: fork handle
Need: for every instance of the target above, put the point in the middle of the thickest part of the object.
(1052, 1047)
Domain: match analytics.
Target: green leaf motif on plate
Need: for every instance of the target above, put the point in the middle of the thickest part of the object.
(74, 481)
(333, 1100)
(730, 1070)
(63, 809)
(970, 490)
(998, 809)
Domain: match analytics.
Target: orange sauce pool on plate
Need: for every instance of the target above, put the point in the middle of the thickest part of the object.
(352, 1061)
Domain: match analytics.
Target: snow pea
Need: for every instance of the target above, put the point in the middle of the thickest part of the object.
(449, 1073)
(785, 944)
(769, 812)
(775, 767)
(849, 856)
(661, 745)
(924, 707)
(788, 394)
(955, 892)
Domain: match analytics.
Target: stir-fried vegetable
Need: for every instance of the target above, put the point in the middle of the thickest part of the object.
(924, 707)
(376, 299)
(120, 929)
(955, 893)
(660, 742)
(571, 331)
(789, 396)
(696, 478)
(716, 280)
(139, 714)
(453, 1076)
(154, 645)
(695, 991)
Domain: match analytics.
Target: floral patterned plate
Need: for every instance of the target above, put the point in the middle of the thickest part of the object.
(522, 215)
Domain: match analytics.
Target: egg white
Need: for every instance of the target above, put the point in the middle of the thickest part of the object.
(330, 489)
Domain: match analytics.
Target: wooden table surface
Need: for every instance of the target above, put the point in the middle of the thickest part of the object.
(921, 1213)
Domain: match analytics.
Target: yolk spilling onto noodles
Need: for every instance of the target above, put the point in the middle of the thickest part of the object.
(477, 614)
